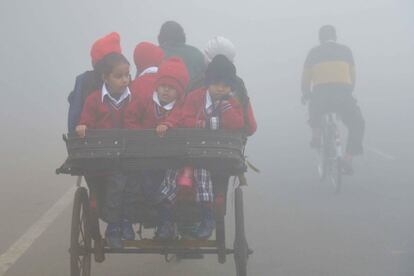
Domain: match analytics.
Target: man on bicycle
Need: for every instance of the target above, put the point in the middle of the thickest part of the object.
(327, 83)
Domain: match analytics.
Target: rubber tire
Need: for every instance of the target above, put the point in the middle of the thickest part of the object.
(80, 237)
(241, 248)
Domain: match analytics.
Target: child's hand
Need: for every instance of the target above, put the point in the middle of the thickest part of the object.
(81, 130)
(161, 130)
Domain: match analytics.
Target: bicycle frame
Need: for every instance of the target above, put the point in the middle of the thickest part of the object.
(331, 152)
(331, 131)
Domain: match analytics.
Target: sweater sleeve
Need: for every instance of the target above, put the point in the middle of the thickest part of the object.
(89, 112)
(251, 124)
(232, 115)
(307, 73)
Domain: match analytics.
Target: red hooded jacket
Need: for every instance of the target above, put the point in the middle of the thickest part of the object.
(144, 112)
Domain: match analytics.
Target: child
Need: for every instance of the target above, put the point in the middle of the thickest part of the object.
(147, 58)
(213, 107)
(91, 80)
(159, 104)
(104, 109)
(159, 107)
(223, 46)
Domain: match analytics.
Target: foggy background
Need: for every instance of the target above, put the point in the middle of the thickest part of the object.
(302, 229)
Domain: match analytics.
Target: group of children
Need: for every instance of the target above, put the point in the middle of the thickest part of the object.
(158, 98)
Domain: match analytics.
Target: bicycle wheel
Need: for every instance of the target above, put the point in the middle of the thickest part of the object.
(323, 156)
(80, 237)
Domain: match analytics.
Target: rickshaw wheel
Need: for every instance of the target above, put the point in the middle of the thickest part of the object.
(241, 248)
(80, 237)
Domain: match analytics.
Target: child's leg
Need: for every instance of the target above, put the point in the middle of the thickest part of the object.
(114, 191)
(151, 182)
(165, 225)
(112, 209)
(205, 197)
(131, 196)
(168, 188)
(165, 199)
(204, 186)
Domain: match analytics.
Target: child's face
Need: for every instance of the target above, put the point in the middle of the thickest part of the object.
(166, 94)
(219, 91)
(118, 80)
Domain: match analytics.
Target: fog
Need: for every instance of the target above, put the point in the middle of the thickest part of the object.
(303, 228)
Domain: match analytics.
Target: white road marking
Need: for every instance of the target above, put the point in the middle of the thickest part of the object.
(20, 246)
(382, 154)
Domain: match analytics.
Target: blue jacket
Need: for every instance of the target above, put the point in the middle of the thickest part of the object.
(85, 84)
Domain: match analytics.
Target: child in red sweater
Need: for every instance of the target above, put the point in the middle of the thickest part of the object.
(157, 105)
(105, 108)
(147, 59)
(213, 107)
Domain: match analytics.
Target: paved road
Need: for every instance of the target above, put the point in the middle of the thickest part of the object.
(295, 224)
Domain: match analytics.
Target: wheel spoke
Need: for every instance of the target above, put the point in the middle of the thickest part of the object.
(79, 262)
(82, 234)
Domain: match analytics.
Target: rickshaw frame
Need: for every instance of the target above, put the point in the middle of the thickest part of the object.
(86, 237)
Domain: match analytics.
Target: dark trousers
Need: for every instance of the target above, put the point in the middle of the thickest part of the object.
(150, 185)
(339, 99)
(121, 199)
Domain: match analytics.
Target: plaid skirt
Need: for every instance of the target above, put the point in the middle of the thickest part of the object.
(202, 181)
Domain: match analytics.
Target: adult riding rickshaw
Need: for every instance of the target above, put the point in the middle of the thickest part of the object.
(220, 151)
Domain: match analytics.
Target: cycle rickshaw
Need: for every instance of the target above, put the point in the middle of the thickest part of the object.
(220, 151)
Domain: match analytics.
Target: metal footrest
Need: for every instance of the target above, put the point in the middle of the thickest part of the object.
(179, 247)
(150, 243)
(166, 251)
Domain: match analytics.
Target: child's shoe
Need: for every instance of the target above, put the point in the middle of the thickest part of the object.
(165, 231)
(127, 231)
(208, 224)
(166, 227)
(113, 235)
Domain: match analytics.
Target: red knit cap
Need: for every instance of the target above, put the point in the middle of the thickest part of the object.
(147, 55)
(108, 44)
(173, 72)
